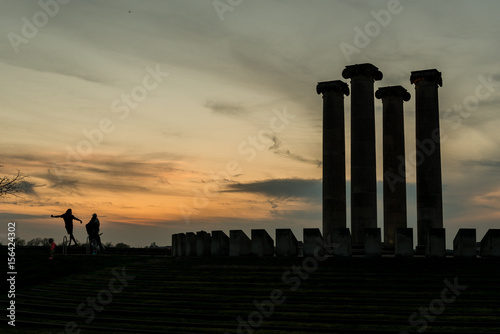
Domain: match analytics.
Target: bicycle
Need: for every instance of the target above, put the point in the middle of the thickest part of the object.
(95, 246)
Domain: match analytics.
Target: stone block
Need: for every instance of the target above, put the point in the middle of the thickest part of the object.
(341, 242)
(286, 243)
(403, 242)
(191, 244)
(175, 240)
(239, 243)
(262, 243)
(464, 244)
(312, 240)
(220, 243)
(203, 244)
(436, 243)
(181, 244)
(373, 242)
(490, 244)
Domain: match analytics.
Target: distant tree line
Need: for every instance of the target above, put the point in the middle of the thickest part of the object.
(45, 242)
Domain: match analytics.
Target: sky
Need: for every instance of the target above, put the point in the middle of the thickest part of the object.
(179, 116)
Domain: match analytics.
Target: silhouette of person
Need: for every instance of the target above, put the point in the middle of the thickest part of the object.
(52, 247)
(93, 227)
(68, 223)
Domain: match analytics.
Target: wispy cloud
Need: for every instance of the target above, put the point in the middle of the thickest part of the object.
(297, 157)
(226, 108)
(483, 163)
(277, 148)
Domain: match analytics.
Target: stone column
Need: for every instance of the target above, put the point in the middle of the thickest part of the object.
(393, 160)
(428, 159)
(363, 160)
(334, 189)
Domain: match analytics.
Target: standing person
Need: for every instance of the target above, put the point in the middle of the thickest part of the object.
(52, 247)
(68, 222)
(93, 227)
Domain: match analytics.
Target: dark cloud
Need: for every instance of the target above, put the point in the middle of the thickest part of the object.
(7, 216)
(309, 189)
(163, 180)
(85, 182)
(27, 187)
(62, 182)
(298, 215)
(226, 108)
(273, 204)
(483, 163)
(491, 197)
(102, 172)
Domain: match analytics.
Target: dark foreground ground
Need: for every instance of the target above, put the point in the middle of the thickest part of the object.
(159, 294)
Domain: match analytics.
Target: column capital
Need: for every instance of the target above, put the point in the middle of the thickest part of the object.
(368, 70)
(393, 91)
(332, 86)
(432, 76)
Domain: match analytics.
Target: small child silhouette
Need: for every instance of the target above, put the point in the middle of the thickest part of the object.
(52, 248)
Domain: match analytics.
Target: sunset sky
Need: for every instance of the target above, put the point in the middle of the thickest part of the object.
(177, 116)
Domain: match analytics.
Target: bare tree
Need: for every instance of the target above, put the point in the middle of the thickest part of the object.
(12, 185)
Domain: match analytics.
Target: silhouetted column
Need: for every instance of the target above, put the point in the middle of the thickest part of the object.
(334, 190)
(363, 160)
(393, 160)
(428, 159)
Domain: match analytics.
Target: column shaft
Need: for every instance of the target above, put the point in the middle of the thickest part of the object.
(428, 150)
(363, 157)
(334, 175)
(394, 181)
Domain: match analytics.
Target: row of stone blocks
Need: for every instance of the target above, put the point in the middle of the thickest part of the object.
(261, 244)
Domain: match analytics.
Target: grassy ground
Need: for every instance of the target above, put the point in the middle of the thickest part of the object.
(220, 295)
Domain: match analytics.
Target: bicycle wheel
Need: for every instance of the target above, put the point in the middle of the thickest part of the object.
(93, 247)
